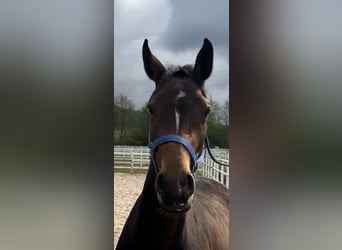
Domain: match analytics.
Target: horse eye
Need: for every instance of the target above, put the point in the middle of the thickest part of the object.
(150, 109)
(207, 111)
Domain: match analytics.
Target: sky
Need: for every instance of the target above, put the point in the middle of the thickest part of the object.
(175, 30)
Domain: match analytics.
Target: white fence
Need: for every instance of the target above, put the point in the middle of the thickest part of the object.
(137, 157)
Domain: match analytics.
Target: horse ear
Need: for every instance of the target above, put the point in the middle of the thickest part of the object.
(204, 61)
(153, 67)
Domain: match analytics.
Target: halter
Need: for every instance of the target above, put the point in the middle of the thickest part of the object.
(195, 162)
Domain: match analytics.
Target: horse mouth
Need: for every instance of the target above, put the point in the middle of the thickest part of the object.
(176, 209)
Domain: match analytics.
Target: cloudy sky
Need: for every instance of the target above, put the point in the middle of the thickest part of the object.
(175, 30)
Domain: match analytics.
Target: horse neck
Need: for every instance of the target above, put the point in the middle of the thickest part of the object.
(148, 189)
(169, 228)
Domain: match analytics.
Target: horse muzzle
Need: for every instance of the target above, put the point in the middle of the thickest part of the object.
(175, 194)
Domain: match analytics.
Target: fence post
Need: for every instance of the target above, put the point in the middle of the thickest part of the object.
(141, 156)
(132, 160)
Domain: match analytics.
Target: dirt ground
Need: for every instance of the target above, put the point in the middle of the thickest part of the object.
(127, 188)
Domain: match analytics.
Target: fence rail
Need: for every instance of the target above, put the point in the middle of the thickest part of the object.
(138, 157)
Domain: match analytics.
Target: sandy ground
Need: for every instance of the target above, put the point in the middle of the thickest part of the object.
(127, 188)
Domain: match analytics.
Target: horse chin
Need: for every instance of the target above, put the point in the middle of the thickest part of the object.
(175, 208)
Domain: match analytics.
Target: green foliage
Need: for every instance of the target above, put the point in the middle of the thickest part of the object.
(217, 132)
(218, 125)
(130, 170)
(136, 130)
(139, 134)
(124, 117)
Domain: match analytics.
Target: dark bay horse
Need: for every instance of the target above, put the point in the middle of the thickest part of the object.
(175, 209)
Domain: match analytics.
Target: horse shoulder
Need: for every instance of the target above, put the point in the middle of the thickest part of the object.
(208, 220)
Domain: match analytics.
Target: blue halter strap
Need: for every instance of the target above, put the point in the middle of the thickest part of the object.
(178, 139)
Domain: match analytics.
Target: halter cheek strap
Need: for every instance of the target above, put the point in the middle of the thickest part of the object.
(195, 162)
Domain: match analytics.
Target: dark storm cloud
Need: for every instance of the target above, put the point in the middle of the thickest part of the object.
(191, 21)
(175, 31)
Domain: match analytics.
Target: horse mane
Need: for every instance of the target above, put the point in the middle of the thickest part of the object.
(181, 72)
(177, 70)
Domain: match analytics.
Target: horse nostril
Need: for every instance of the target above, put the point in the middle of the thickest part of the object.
(159, 184)
(190, 186)
(187, 186)
(174, 190)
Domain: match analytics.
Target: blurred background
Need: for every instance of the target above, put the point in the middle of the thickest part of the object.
(56, 125)
(56, 97)
(285, 124)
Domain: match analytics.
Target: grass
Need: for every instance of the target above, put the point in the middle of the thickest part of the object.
(128, 170)
(199, 173)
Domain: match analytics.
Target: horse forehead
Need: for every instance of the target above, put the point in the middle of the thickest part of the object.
(175, 84)
(180, 94)
(175, 89)
(170, 95)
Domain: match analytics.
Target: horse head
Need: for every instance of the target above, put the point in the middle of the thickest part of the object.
(178, 110)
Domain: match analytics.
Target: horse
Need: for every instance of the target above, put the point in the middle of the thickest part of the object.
(176, 209)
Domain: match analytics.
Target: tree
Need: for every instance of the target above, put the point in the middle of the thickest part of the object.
(217, 128)
(226, 113)
(123, 108)
(139, 135)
